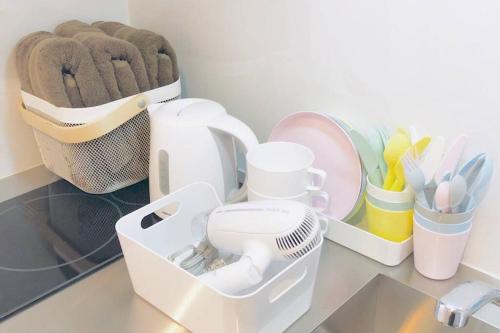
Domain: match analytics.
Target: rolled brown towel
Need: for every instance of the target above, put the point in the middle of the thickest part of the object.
(52, 59)
(159, 56)
(119, 63)
(108, 27)
(23, 52)
(72, 91)
(71, 28)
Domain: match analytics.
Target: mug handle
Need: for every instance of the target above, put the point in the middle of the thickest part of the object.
(325, 197)
(319, 174)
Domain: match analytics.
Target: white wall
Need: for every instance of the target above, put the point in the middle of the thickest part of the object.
(433, 63)
(18, 150)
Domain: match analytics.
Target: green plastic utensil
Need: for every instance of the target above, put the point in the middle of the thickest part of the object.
(368, 157)
(376, 142)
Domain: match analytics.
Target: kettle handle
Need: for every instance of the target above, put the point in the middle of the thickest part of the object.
(241, 132)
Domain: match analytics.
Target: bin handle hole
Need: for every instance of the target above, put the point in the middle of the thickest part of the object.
(151, 219)
(285, 286)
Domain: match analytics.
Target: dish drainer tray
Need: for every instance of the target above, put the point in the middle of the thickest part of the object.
(359, 239)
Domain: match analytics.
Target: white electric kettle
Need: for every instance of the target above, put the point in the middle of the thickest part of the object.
(192, 140)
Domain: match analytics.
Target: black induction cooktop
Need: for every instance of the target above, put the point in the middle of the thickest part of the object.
(54, 235)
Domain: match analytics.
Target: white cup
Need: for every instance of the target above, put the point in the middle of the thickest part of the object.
(437, 255)
(283, 169)
(317, 200)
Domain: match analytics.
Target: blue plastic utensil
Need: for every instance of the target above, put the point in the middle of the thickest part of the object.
(481, 183)
(470, 164)
(415, 177)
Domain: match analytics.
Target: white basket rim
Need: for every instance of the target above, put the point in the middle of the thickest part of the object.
(86, 115)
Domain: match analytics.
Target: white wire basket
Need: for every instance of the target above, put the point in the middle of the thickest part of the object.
(280, 299)
(98, 149)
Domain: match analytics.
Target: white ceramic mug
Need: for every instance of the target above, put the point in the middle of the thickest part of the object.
(283, 169)
(317, 200)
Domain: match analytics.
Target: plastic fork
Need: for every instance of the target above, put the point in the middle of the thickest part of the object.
(415, 177)
(416, 151)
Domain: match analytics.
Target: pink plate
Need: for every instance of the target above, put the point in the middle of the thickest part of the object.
(335, 154)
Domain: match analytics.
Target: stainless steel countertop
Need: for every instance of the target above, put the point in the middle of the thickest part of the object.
(106, 302)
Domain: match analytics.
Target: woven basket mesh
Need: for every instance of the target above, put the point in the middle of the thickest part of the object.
(115, 160)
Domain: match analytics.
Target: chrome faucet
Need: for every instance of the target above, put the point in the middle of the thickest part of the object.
(455, 308)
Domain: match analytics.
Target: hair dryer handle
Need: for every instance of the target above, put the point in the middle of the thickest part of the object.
(241, 132)
(234, 277)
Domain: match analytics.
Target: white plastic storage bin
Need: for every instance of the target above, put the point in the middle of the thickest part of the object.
(270, 307)
(98, 149)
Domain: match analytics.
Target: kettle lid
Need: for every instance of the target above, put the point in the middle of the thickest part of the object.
(189, 111)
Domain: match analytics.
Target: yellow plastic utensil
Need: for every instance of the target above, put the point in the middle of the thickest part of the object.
(397, 145)
(417, 150)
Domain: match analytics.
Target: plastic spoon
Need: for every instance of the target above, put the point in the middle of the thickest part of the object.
(458, 192)
(395, 148)
(442, 197)
(441, 200)
(447, 167)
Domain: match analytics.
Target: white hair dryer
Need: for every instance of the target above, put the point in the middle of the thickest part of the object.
(259, 231)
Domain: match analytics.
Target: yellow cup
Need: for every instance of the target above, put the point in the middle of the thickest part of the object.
(395, 226)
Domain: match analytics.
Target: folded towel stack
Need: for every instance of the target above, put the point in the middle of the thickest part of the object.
(82, 65)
